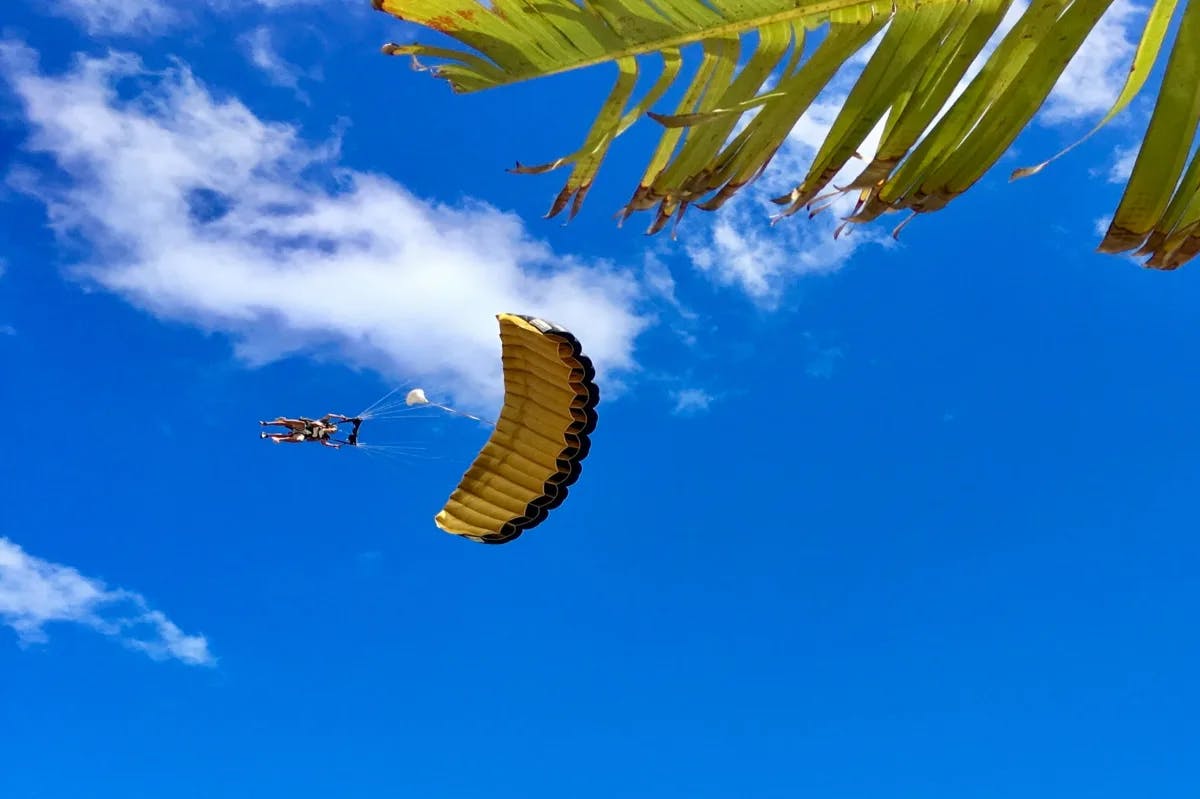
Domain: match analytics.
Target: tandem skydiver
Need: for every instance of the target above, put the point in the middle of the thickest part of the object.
(320, 430)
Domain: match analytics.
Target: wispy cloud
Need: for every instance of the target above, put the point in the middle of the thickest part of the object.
(150, 17)
(6, 329)
(1090, 83)
(741, 249)
(260, 49)
(198, 210)
(738, 247)
(691, 401)
(36, 592)
(820, 360)
(276, 4)
(117, 17)
(659, 282)
(1122, 162)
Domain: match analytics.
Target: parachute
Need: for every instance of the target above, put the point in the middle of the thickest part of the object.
(536, 448)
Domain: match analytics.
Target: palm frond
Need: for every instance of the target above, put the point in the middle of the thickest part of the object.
(941, 130)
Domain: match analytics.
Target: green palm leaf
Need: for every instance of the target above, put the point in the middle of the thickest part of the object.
(933, 147)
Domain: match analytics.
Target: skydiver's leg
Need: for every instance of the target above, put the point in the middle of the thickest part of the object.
(291, 424)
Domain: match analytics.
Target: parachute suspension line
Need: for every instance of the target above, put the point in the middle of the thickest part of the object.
(456, 412)
(397, 453)
(387, 407)
(379, 403)
(417, 397)
(399, 416)
(399, 458)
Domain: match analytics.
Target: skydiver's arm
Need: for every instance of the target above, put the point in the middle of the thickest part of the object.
(330, 444)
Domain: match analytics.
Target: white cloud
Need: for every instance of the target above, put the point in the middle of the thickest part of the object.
(740, 247)
(691, 401)
(1090, 83)
(1122, 162)
(274, 4)
(6, 329)
(1007, 22)
(1100, 228)
(36, 592)
(122, 17)
(659, 282)
(821, 360)
(197, 210)
(260, 49)
(143, 17)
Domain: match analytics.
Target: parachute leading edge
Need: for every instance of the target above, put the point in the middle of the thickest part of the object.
(535, 451)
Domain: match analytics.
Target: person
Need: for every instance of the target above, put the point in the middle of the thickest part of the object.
(317, 430)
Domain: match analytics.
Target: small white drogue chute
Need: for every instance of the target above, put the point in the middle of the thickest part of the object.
(417, 397)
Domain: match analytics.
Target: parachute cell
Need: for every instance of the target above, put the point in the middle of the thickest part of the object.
(542, 435)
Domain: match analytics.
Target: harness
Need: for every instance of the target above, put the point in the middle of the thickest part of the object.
(316, 431)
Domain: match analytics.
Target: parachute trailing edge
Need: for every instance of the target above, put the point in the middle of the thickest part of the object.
(535, 451)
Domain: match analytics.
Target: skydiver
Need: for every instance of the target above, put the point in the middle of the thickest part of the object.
(317, 430)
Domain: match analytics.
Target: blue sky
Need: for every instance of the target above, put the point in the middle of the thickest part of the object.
(861, 519)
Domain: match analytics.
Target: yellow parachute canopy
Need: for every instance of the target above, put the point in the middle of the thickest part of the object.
(534, 453)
